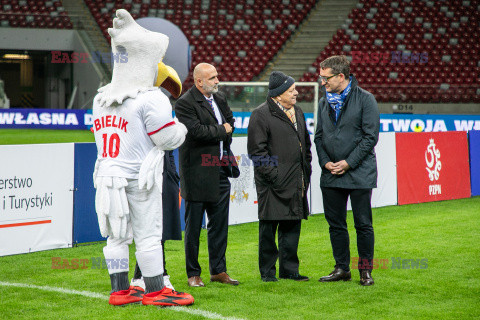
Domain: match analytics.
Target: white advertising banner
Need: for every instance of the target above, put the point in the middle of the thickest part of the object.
(243, 196)
(36, 198)
(386, 192)
(316, 200)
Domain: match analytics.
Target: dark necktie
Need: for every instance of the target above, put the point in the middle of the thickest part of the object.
(210, 102)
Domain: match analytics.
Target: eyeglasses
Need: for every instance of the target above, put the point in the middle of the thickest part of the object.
(320, 78)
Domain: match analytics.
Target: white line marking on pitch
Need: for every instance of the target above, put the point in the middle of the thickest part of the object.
(206, 314)
(88, 294)
(61, 290)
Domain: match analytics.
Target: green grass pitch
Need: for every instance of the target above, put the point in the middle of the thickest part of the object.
(30, 136)
(446, 234)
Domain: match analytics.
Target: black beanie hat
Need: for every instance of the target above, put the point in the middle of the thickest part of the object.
(279, 83)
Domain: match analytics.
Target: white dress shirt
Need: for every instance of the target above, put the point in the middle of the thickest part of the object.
(219, 119)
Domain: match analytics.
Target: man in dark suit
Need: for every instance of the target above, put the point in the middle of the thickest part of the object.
(203, 174)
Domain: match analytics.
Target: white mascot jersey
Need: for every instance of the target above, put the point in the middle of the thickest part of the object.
(123, 133)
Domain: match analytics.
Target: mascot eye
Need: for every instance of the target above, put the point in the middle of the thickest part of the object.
(121, 49)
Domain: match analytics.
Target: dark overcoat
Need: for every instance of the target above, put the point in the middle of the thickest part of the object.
(282, 159)
(352, 139)
(200, 181)
(172, 229)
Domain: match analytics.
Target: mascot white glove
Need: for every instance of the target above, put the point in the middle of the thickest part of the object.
(112, 206)
(151, 170)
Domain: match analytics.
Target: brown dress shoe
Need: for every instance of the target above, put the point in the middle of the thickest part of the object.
(223, 278)
(195, 281)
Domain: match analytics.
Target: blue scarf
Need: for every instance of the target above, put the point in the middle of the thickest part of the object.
(336, 101)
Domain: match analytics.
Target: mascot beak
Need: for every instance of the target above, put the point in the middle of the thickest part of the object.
(168, 79)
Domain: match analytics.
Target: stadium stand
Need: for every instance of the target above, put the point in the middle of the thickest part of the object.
(438, 39)
(432, 47)
(34, 14)
(252, 30)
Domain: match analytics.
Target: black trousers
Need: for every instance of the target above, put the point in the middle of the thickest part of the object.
(335, 206)
(288, 237)
(217, 230)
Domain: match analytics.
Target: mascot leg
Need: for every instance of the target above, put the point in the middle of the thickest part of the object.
(119, 281)
(151, 264)
(116, 256)
(147, 220)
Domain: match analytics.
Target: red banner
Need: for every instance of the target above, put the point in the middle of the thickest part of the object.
(432, 166)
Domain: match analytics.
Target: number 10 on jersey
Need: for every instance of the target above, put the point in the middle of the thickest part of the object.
(113, 145)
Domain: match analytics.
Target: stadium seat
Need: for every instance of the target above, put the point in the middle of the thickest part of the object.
(243, 21)
(40, 10)
(422, 27)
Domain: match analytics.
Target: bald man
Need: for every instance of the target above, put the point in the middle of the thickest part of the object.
(204, 171)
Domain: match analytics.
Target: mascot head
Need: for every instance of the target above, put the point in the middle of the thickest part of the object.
(143, 49)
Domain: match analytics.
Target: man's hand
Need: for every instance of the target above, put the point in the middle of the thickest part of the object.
(228, 127)
(329, 166)
(339, 168)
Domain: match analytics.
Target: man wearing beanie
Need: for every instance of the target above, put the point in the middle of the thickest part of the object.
(279, 146)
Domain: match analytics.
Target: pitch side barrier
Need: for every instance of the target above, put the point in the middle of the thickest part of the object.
(48, 201)
(474, 144)
(74, 119)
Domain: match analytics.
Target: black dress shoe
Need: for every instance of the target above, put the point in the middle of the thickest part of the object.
(337, 275)
(366, 278)
(295, 276)
(269, 279)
